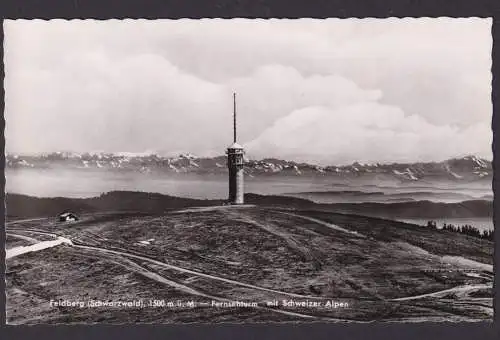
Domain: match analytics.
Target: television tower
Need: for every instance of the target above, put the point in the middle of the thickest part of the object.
(235, 164)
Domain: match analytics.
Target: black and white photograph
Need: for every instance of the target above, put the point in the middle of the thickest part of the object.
(248, 171)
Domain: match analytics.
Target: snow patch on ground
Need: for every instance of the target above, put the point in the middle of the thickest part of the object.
(463, 262)
(146, 242)
(10, 253)
(407, 174)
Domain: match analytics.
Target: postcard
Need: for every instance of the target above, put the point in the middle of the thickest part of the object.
(248, 171)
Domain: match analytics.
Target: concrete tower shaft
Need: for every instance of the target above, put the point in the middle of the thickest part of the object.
(235, 164)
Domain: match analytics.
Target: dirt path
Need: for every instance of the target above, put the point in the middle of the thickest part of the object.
(193, 272)
(326, 224)
(25, 220)
(131, 265)
(460, 291)
(271, 229)
(123, 256)
(176, 268)
(22, 237)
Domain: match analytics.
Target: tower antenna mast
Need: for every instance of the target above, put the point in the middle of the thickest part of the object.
(234, 116)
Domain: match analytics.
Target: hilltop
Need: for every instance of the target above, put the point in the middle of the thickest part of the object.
(280, 250)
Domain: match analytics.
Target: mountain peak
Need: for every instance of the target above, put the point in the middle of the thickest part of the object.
(467, 168)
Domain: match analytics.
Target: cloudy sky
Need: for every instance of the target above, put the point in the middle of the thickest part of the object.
(325, 91)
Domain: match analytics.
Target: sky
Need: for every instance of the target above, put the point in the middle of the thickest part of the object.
(328, 91)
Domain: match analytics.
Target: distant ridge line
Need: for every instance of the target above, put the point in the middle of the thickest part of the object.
(24, 206)
(69, 155)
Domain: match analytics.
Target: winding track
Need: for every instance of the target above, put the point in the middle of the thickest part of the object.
(326, 224)
(461, 290)
(185, 288)
(22, 237)
(131, 265)
(177, 268)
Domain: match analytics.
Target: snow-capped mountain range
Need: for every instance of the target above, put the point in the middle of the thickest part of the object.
(457, 169)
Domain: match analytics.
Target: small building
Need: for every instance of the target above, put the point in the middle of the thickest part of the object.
(67, 217)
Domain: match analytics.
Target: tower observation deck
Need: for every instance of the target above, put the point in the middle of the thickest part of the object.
(235, 163)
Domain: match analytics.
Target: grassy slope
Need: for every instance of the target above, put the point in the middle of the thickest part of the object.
(260, 245)
(436, 241)
(256, 245)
